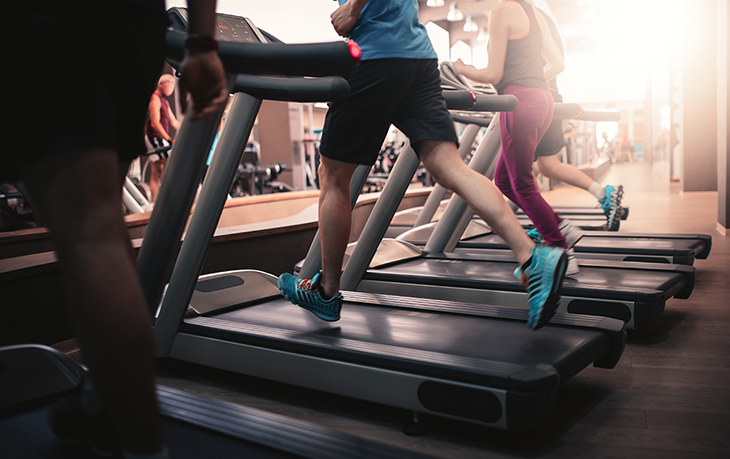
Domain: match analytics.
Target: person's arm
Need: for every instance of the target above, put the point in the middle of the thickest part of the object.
(344, 18)
(154, 107)
(498, 26)
(203, 77)
(550, 50)
(173, 120)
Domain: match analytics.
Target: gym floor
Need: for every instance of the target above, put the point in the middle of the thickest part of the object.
(669, 396)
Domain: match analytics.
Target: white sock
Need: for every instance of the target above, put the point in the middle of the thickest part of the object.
(599, 191)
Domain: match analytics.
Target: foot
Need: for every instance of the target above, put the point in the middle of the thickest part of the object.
(573, 267)
(535, 235)
(572, 233)
(71, 422)
(543, 279)
(307, 294)
(611, 205)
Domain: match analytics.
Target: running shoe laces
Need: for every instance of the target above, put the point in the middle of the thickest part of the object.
(543, 279)
(611, 205)
(534, 234)
(306, 293)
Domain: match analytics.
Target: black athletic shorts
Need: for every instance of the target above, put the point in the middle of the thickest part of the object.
(553, 141)
(78, 76)
(402, 92)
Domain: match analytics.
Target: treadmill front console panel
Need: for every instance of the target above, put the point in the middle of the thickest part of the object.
(230, 28)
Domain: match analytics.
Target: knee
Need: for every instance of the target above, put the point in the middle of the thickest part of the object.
(447, 177)
(331, 176)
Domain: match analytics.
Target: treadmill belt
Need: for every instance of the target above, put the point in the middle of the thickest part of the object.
(431, 342)
(594, 281)
(607, 244)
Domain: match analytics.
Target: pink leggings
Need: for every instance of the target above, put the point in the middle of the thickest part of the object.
(520, 132)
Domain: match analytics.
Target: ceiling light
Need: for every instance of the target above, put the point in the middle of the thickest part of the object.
(455, 13)
(470, 25)
(435, 3)
(483, 35)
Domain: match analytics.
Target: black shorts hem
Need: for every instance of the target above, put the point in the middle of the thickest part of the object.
(403, 92)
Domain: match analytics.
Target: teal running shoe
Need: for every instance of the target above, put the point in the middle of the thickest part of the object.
(306, 293)
(543, 279)
(534, 234)
(611, 204)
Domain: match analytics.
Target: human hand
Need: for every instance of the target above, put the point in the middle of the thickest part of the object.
(458, 67)
(203, 82)
(344, 18)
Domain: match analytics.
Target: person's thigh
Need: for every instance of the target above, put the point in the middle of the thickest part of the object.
(355, 127)
(422, 113)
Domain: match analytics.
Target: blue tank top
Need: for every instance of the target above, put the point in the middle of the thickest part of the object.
(390, 29)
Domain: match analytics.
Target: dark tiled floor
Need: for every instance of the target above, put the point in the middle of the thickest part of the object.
(669, 397)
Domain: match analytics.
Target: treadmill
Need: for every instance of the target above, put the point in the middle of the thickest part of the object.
(451, 359)
(34, 377)
(415, 225)
(667, 248)
(633, 292)
(590, 218)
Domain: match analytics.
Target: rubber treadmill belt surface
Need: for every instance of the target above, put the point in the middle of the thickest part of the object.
(607, 244)
(623, 284)
(432, 343)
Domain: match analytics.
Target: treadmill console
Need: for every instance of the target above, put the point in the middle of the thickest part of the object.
(230, 28)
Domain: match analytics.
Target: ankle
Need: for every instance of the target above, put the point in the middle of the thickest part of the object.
(526, 264)
(328, 294)
(524, 254)
(597, 190)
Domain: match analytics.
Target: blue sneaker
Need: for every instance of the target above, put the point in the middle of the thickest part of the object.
(543, 279)
(611, 204)
(535, 236)
(305, 293)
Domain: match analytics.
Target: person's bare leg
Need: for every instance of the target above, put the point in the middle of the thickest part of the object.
(156, 170)
(334, 220)
(442, 160)
(78, 196)
(550, 167)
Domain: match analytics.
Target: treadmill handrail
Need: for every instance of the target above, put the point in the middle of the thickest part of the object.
(293, 89)
(309, 59)
(566, 111)
(476, 120)
(597, 115)
(467, 100)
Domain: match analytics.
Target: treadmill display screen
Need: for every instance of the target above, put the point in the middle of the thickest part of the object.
(232, 28)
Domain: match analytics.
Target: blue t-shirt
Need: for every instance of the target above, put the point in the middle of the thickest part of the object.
(390, 29)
